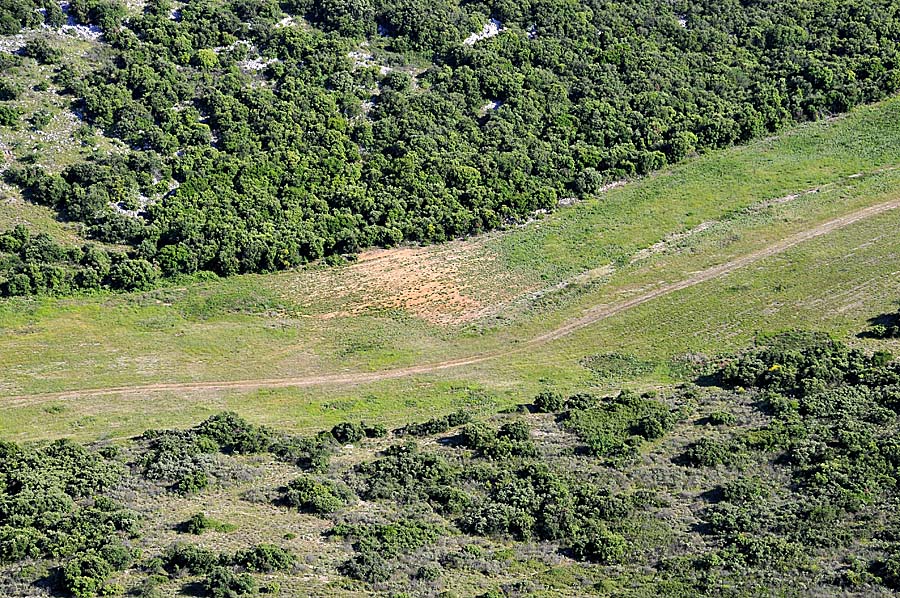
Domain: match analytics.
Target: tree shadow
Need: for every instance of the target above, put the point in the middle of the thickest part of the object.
(882, 326)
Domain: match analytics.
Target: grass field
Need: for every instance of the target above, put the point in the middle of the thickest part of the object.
(421, 305)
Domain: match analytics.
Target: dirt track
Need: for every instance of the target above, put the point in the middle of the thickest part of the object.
(590, 316)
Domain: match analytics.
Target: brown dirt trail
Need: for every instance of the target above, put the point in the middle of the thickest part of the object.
(589, 317)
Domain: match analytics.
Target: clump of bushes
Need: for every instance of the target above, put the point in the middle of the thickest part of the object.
(513, 439)
(549, 402)
(264, 558)
(222, 582)
(310, 454)
(617, 426)
(319, 497)
(594, 542)
(376, 543)
(707, 452)
(184, 457)
(199, 523)
(437, 425)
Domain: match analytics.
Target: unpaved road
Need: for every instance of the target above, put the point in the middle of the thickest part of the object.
(590, 316)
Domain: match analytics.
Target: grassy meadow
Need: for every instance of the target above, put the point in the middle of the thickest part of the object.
(489, 294)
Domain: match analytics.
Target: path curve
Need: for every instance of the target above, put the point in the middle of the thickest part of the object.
(589, 317)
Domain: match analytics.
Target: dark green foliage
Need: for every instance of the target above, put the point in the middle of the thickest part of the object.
(18, 14)
(370, 567)
(9, 90)
(199, 523)
(319, 154)
(191, 559)
(222, 582)
(721, 418)
(707, 452)
(513, 439)
(184, 457)
(388, 539)
(40, 119)
(581, 400)
(52, 504)
(309, 495)
(233, 434)
(9, 116)
(41, 50)
(348, 433)
(528, 502)
(311, 454)
(617, 426)
(84, 575)
(264, 558)
(404, 473)
(549, 402)
(594, 542)
(436, 425)
(375, 431)
(375, 544)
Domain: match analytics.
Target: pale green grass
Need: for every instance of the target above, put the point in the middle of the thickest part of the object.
(265, 326)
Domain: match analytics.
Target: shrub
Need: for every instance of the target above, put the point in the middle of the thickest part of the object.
(190, 558)
(264, 558)
(311, 496)
(427, 428)
(224, 583)
(199, 523)
(84, 575)
(595, 543)
(348, 433)
(721, 418)
(376, 431)
(707, 452)
(41, 50)
(516, 430)
(9, 117)
(549, 402)
(234, 434)
(311, 454)
(367, 566)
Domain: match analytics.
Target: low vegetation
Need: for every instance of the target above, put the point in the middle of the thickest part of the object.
(777, 469)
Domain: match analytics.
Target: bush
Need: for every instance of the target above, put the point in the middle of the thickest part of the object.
(311, 454)
(84, 575)
(193, 559)
(199, 523)
(549, 402)
(224, 583)
(721, 418)
(516, 430)
(308, 495)
(708, 453)
(348, 433)
(41, 50)
(9, 117)
(376, 431)
(264, 558)
(597, 544)
(581, 401)
(368, 567)
(234, 434)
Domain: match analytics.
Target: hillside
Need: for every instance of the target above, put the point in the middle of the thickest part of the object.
(248, 136)
(449, 298)
(776, 476)
(412, 307)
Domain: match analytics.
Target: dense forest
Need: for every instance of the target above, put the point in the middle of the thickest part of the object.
(266, 134)
(776, 473)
